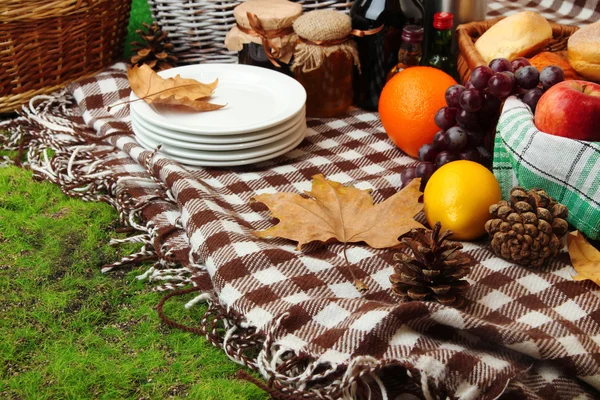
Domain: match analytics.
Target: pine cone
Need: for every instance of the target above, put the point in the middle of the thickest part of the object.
(155, 51)
(434, 271)
(527, 229)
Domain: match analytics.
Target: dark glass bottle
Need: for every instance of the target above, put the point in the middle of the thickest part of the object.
(378, 52)
(411, 50)
(440, 51)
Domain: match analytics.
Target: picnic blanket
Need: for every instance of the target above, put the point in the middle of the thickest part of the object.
(295, 316)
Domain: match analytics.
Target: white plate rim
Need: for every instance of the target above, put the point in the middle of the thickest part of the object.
(298, 96)
(214, 147)
(220, 140)
(227, 156)
(237, 163)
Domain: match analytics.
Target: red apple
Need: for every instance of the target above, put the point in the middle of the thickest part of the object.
(570, 109)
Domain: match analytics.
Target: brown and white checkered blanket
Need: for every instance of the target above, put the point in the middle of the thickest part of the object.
(294, 315)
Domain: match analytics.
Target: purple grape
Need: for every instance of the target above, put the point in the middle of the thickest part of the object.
(439, 141)
(480, 76)
(456, 138)
(551, 75)
(424, 171)
(476, 138)
(407, 175)
(528, 77)
(519, 91)
(469, 85)
(490, 107)
(470, 100)
(427, 152)
(511, 76)
(519, 63)
(532, 97)
(470, 154)
(452, 95)
(444, 158)
(467, 120)
(500, 85)
(445, 117)
(501, 65)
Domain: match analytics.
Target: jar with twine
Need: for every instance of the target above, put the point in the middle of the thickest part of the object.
(263, 35)
(324, 61)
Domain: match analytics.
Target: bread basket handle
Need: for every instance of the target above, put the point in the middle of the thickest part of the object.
(465, 34)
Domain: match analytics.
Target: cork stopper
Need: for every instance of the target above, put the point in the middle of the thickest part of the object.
(323, 25)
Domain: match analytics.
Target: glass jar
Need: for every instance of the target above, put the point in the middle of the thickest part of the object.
(254, 54)
(324, 62)
(263, 34)
(328, 88)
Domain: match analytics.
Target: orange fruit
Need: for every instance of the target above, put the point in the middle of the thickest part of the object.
(459, 195)
(408, 104)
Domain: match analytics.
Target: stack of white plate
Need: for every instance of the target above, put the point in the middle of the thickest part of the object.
(264, 117)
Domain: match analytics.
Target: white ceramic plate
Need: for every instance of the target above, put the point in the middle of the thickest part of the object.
(214, 147)
(205, 163)
(257, 98)
(217, 143)
(226, 155)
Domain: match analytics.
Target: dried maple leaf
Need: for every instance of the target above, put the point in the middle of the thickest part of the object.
(154, 89)
(344, 213)
(584, 257)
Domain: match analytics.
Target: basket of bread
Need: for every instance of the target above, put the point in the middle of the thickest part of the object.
(548, 131)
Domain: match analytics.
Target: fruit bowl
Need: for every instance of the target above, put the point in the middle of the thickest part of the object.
(567, 169)
(467, 34)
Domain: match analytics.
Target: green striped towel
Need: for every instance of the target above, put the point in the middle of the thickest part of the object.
(567, 169)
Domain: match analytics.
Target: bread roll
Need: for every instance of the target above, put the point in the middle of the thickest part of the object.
(519, 35)
(583, 51)
(545, 58)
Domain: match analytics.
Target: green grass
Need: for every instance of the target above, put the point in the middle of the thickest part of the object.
(70, 332)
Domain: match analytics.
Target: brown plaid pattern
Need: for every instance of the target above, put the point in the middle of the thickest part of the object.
(523, 333)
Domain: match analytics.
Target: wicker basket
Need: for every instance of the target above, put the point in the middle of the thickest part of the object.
(45, 44)
(197, 29)
(467, 34)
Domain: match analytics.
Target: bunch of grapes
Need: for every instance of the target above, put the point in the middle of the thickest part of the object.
(467, 124)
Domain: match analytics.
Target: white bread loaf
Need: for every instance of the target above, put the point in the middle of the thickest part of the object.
(583, 51)
(519, 35)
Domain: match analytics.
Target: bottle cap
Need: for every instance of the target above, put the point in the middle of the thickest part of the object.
(412, 34)
(443, 20)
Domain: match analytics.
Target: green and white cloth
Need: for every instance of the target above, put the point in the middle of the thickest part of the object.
(569, 170)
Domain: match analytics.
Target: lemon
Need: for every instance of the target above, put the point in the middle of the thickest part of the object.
(459, 195)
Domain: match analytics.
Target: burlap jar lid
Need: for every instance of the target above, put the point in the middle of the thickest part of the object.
(322, 33)
(323, 25)
(273, 15)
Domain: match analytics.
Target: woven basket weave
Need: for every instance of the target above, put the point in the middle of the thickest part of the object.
(45, 44)
(469, 58)
(197, 28)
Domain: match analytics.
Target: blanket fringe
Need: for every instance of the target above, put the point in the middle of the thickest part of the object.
(48, 125)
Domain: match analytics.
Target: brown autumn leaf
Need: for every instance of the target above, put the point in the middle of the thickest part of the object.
(584, 257)
(344, 213)
(154, 89)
